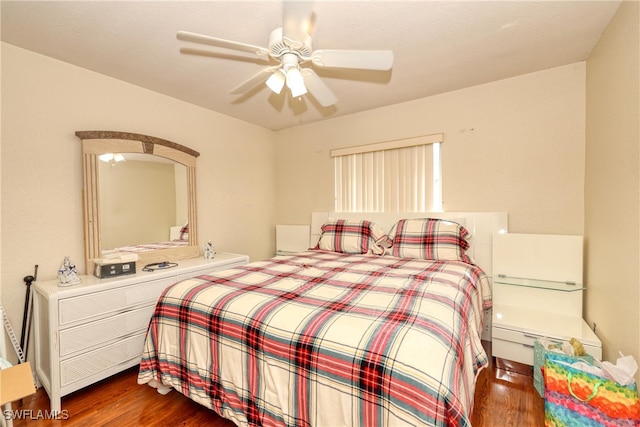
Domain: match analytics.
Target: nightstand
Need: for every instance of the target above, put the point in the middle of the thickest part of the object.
(537, 292)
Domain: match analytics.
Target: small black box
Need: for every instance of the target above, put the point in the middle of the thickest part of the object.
(113, 270)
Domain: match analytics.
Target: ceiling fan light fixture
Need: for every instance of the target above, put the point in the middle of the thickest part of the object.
(276, 81)
(295, 82)
(108, 157)
(290, 46)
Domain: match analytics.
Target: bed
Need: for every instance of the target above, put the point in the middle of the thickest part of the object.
(364, 329)
(178, 238)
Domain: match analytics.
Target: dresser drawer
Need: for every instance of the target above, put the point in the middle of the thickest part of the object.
(89, 335)
(513, 345)
(525, 338)
(509, 350)
(518, 346)
(98, 304)
(102, 359)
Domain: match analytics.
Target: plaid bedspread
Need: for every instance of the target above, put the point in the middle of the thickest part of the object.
(324, 339)
(148, 247)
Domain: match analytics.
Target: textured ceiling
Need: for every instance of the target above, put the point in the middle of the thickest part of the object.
(438, 46)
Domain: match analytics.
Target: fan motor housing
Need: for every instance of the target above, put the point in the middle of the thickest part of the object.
(279, 45)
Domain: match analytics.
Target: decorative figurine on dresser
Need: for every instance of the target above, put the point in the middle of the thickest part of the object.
(209, 250)
(67, 273)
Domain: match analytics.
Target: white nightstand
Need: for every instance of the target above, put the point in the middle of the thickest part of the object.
(537, 292)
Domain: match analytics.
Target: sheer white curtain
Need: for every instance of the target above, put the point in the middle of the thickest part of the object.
(393, 176)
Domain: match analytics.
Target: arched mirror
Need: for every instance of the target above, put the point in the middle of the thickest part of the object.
(139, 197)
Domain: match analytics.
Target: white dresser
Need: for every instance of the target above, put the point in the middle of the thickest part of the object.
(537, 292)
(87, 332)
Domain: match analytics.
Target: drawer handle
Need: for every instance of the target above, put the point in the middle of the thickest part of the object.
(527, 345)
(531, 336)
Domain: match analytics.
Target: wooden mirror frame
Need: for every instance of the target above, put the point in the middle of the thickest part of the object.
(95, 143)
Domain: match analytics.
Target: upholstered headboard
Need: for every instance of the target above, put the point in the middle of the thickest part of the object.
(481, 226)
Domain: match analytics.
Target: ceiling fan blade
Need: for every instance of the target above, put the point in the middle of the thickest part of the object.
(226, 44)
(379, 60)
(212, 54)
(260, 77)
(297, 20)
(317, 88)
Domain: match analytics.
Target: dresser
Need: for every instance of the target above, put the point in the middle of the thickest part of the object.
(90, 331)
(538, 293)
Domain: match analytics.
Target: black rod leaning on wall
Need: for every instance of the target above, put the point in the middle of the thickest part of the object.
(27, 315)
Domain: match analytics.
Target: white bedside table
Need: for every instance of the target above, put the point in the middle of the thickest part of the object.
(537, 292)
(521, 316)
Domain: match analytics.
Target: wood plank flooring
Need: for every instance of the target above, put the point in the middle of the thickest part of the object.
(504, 397)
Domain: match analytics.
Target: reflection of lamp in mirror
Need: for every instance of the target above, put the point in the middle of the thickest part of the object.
(108, 157)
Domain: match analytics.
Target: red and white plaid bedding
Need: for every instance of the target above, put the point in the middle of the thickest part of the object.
(325, 339)
(148, 247)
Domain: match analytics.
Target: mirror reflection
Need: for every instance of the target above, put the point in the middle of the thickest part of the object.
(142, 202)
(139, 195)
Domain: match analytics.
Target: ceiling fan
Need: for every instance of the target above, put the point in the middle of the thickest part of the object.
(290, 47)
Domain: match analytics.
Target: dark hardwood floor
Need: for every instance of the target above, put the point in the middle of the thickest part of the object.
(504, 397)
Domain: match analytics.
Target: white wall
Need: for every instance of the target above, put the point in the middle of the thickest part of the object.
(44, 101)
(612, 195)
(515, 145)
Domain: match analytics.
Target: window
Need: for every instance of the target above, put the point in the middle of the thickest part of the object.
(393, 176)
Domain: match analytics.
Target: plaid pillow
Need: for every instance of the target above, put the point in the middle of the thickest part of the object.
(184, 232)
(353, 237)
(430, 239)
